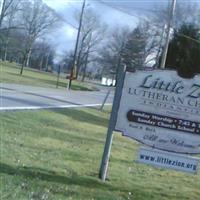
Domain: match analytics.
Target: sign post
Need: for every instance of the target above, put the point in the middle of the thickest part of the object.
(111, 126)
(159, 109)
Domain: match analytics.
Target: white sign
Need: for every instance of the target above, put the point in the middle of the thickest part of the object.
(168, 160)
(162, 110)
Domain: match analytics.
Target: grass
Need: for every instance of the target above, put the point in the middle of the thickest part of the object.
(33, 77)
(55, 155)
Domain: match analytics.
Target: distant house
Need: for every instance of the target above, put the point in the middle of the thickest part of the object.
(108, 79)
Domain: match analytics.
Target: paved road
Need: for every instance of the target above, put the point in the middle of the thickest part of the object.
(14, 97)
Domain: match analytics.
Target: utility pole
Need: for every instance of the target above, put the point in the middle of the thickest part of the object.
(160, 47)
(2, 4)
(169, 25)
(76, 46)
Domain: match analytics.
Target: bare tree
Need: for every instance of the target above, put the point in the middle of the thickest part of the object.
(8, 23)
(134, 48)
(37, 19)
(110, 54)
(5, 5)
(141, 46)
(67, 61)
(92, 33)
(42, 53)
(13, 45)
(11, 24)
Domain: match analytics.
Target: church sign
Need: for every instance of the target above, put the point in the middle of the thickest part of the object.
(162, 110)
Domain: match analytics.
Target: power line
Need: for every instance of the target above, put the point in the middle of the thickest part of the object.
(69, 23)
(119, 9)
(61, 17)
(66, 21)
(139, 17)
(133, 8)
(130, 14)
(188, 37)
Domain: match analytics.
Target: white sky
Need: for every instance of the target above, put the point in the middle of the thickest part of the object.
(110, 12)
(64, 37)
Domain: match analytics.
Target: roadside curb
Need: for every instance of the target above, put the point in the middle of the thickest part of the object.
(49, 107)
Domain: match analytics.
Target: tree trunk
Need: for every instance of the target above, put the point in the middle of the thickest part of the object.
(78, 62)
(6, 50)
(85, 67)
(22, 68)
(23, 64)
(41, 63)
(5, 53)
(28, 57)
(47, 61)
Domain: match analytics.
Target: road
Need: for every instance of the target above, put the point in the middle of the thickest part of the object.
(19, 97)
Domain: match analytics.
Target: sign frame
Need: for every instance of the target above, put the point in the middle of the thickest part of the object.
(168, 160)
(138, 119)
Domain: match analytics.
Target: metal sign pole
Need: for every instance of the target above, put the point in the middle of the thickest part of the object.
(111, 126)
(105, 99)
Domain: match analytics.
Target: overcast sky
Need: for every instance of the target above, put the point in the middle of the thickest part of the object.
(111, 12)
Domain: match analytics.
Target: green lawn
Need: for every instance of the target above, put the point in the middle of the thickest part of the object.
(55, 155)
(10, 74)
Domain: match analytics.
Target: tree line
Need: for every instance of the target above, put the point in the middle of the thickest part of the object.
(101, 49)
(23, 26)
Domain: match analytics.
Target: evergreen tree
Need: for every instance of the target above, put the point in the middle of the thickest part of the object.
(184, 51)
